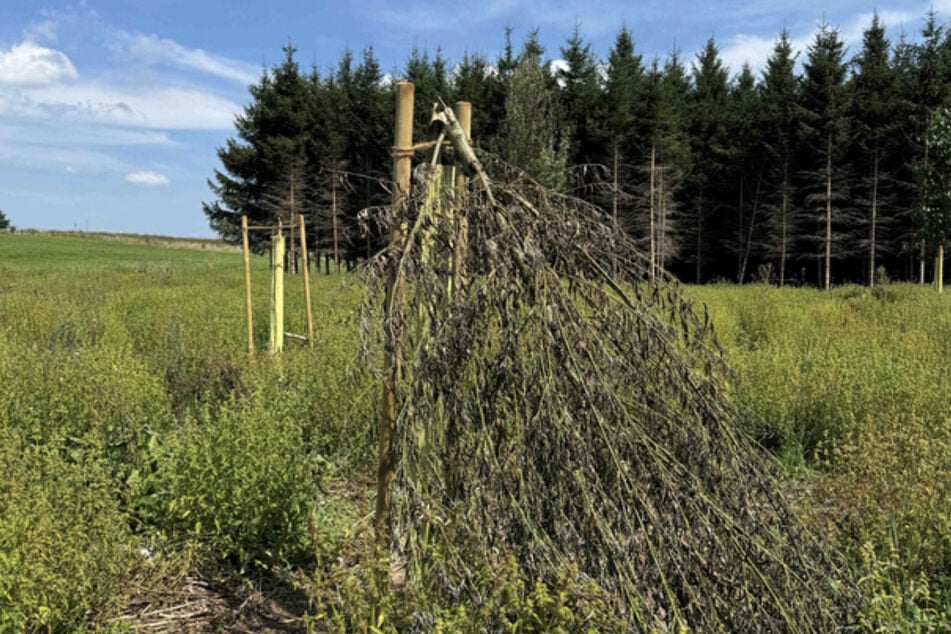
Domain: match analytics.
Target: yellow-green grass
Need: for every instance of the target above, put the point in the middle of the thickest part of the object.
(131, 417)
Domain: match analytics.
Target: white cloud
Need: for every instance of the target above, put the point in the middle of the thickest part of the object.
(162, 107)
(154, 50)
(147, 179)
(45, 158)
(28, 64)
(44, 31)
(51, 133)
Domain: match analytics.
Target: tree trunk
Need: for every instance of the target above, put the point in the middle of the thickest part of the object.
(292, 261)
(783, 222)
(749, 238)
(921, 265)
(333, 212)
(874, 219)
(699, 272)
(662, 222)
(939, 269)
(653, 246)
(614, 201)
(740, 247)
(828, 254)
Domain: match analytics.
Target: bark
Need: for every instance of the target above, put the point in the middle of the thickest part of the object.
(333, 212)
(828, 240)
(749, 239)
(939, 269)
(874, 222)
(699, 240)
(614, 202)
(653, 245)
(783, 222)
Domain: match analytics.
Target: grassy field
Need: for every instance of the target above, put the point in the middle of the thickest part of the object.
(144, 453)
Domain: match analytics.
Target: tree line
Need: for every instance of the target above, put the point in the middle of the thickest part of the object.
(796, 176)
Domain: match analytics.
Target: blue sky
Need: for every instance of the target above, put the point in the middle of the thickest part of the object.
(111, 111)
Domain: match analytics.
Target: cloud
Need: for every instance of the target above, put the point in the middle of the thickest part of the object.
(28, 64)
(52, 133)
(147, 179)
(43, 31)
(152, 107)
(44, 158)
(153, 50)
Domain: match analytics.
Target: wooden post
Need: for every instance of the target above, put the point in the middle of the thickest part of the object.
(247, 280)
(277, 292)
(464, 115)
(402, 165)
(940, 267)
(463, 111)
(303, 255)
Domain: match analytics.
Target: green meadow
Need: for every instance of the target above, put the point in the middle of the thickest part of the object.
(140, 444)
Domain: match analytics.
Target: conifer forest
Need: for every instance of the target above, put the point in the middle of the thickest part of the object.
(808, 172)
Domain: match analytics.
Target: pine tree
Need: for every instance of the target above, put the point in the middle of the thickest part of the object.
(780, 119)
(4, 222)
(873, 115)
(908, 150)
(475, 81)
(580, 98)
(746, 170)
(368, 147)
(931, 92)
(273, 134)
(708, 147)
(825, 99)
(934, 213)
(532, 138)
(624, 113)
(666, 98)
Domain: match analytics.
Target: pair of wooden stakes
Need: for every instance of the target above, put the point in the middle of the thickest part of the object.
(277, 333)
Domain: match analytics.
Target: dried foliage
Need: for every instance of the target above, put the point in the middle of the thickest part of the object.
(556, 406)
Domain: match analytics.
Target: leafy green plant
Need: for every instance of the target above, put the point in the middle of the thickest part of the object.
(237, 480)
(66, 553)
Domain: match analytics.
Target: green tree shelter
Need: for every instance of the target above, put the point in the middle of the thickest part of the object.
(934, 215)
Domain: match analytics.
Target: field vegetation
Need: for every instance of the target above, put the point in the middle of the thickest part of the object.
(142, 449)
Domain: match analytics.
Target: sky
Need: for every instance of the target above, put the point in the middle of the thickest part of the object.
(111, 111)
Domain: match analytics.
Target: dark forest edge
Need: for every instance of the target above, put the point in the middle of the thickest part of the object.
(815, 177)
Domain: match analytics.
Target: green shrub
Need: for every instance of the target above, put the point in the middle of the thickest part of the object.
(66, 554)
(237, 480)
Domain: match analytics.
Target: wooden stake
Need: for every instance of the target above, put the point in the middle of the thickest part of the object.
(303, 255)
(402, 165)
(247, 280)
(939, 269)
(464, 115)
(277, 292)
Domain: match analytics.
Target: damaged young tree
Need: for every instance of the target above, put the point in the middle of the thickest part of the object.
(558, 419)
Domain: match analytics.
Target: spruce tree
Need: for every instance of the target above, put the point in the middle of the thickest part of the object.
(931, 92)
(580, 98)
(273, 133)
(475, 81)
(934, 212)
(532, 137)
(825, 99)
(875, 127)
(745, 169)
(709, 149)
(666, 98)
(624, 113)
(780, 121)
(4, 222)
